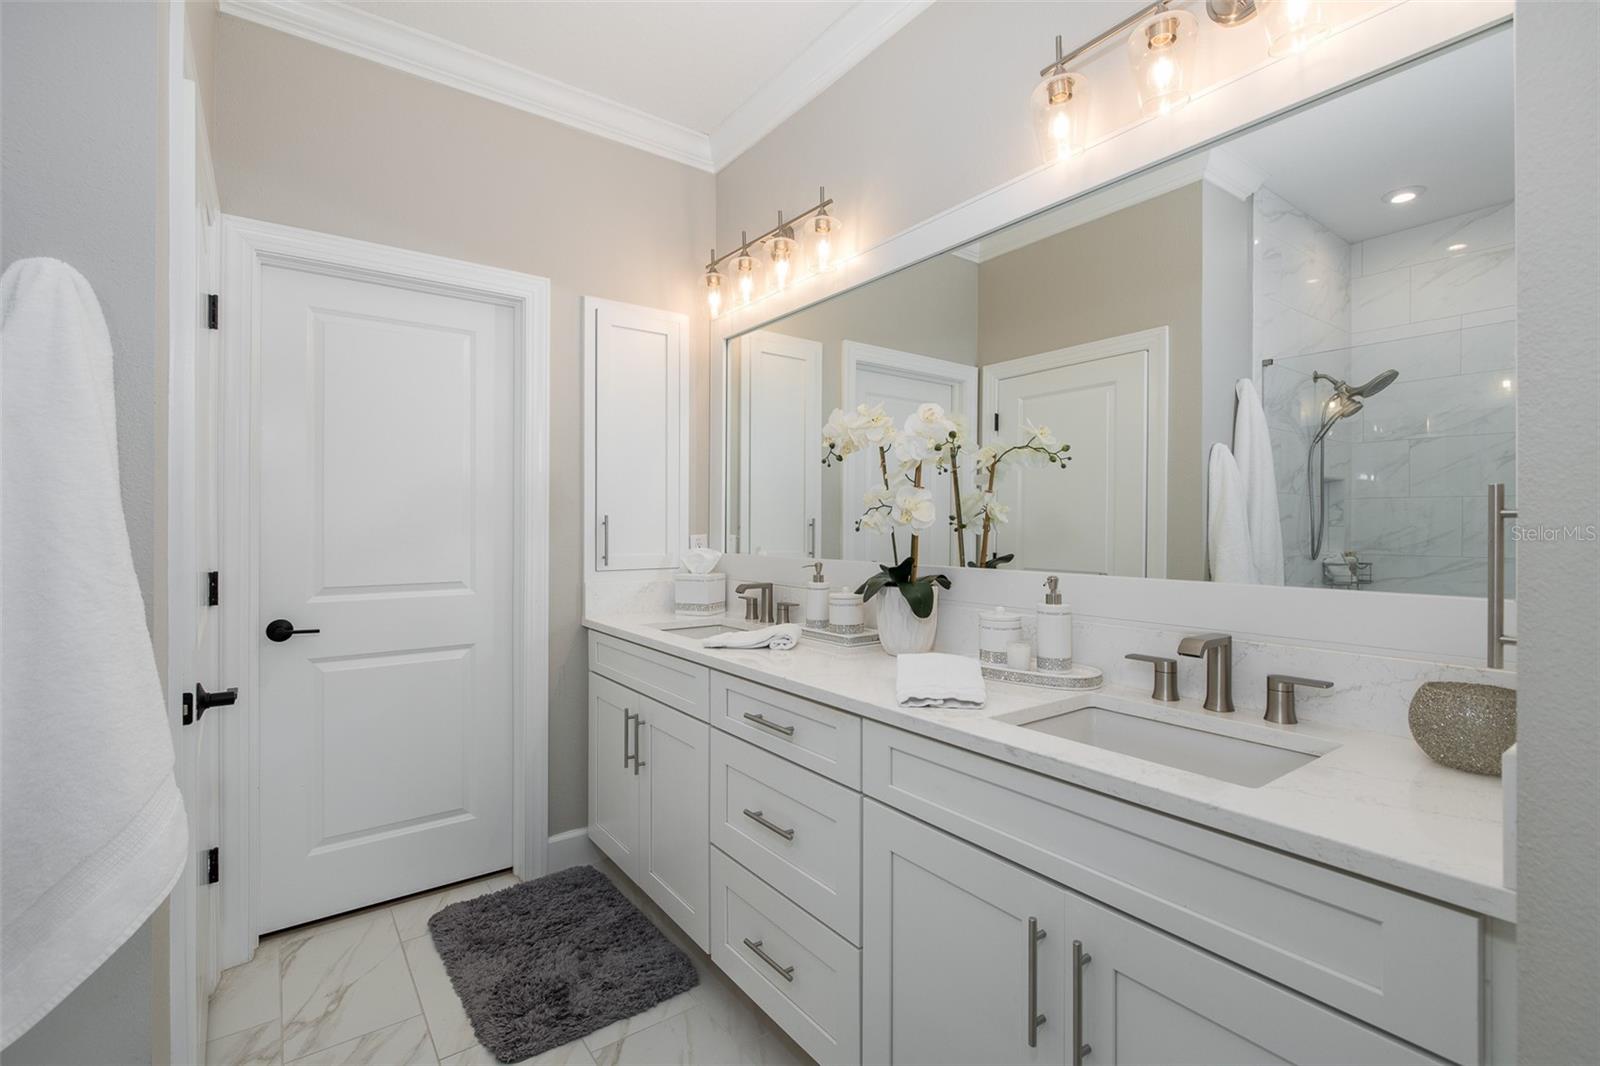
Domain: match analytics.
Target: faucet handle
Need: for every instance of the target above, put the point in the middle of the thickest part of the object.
(1280, 696)
(1166, 675)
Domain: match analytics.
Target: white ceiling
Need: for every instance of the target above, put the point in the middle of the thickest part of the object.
(1444, 123)
(694, 81)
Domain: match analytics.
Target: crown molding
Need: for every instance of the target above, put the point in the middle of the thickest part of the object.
(359, 33)
(851, 38)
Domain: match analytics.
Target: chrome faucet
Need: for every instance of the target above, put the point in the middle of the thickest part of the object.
(763, 590)
(1218, 651)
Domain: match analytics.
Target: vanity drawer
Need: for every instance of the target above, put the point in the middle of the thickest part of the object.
(671, 680)
(799, 832)
(809, 982)
(817, 737)
(1404, 964)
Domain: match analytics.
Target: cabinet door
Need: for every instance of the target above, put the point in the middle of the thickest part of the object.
(637, 435)
(674, 859)
(1149, 998)
(949, 969)
(613, 782)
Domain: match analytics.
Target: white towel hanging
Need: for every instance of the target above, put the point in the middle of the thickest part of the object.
(1252, 450)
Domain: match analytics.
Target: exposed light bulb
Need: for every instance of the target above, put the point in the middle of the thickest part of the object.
(747, 287)
(782, 251)
(714, 287)
(714, 302)
(1293, 25)
(1060, 110)
(822, 237)
(824, 252)
(1162, 49)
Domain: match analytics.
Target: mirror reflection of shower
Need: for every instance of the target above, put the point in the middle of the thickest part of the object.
(1345, 401)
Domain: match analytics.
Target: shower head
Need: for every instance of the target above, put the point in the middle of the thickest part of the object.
(1376, 385)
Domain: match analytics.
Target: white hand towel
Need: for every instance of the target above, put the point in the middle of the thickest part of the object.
(94, 832)
(1252, 449)
(935, 680)
(778, 638)
(1227, 529)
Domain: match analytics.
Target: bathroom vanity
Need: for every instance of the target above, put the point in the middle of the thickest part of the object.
(1092, 878)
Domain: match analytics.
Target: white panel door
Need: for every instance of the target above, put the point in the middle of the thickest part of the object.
(1093, 516)
(946, 951)
(385, 736)
(674, 844)
(637, 436)
(613, 782)
(902, 382)
(781, 416)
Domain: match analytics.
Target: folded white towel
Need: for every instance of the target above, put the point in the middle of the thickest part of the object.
(1252, 450)
(778, 638)
(1227, 529)
(935, 680)
(93, 829)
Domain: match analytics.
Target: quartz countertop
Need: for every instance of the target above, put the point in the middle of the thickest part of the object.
(1370, 804)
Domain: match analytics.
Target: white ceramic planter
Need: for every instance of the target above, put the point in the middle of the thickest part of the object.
(899, 631)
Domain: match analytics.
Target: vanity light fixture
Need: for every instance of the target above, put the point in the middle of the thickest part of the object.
(1060, 109)
(784, 247)
(1404, 195)
(1161, 49)
(1293, 25)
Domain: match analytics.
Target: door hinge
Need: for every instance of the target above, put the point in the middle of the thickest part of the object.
(997, 421)
(212, 300)
(213, 873)
(212, 581)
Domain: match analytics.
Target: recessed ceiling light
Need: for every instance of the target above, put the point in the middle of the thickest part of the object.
(1457, 248)
(1405, 195)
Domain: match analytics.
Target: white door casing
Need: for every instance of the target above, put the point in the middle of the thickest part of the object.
(901, 381)
(427, 573)
(1105, 513)
(780, 438)
(636, 436)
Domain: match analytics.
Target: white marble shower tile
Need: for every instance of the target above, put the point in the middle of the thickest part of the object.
(1432, 355)
(1379, 301)
(341, 981)
(1406, 526)
(1490, 227)
(1380, 469)
(1440, 575)
(1312, 281)
(1461, 466)
(1461, 285)
(1281, 331)
(1470, 403)
(1423, 328)
(1490, 347)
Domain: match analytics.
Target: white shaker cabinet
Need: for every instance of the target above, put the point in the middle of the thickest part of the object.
(647, 800)
(968, 958)
(635, 435)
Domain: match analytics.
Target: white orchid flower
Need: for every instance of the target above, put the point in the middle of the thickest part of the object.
(875, 522)
(1040, 434)
(836, 433)
(879, 497)
(930, 422)
(914, 507)
(997, 512)
(871, 425)
(984, 458)
(910, 448)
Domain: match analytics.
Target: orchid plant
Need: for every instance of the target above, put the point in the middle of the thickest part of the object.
(903, 503)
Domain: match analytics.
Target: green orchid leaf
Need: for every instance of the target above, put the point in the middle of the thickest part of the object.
(919, 597)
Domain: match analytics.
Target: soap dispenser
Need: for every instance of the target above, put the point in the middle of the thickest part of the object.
(1053, 630)
(816, 597)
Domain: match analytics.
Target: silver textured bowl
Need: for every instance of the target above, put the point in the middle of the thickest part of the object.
(1464, 726)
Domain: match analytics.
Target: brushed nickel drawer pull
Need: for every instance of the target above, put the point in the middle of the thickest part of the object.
(627, 725)
(1035, 1019)
(638, 720)
(785, 972)
(756, 816)
(764, 723)
(1080, 959)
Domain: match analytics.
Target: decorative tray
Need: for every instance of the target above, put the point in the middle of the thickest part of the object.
(864, 639)
(1079, 677)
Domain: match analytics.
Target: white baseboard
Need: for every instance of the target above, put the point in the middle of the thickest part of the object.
(572, 848)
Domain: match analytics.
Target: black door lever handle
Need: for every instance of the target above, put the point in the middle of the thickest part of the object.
(204, 701)
(281, 629)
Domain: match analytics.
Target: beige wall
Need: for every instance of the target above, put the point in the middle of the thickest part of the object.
(310, 137)
(1136, 269)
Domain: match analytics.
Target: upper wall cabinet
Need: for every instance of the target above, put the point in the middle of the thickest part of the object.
(636, 397)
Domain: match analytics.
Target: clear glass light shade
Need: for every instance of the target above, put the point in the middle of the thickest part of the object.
(1060, 105)
(714, 292)
(784, 252)
(746, 271)
(824, 248)
(1162, 50)
(1293, 25)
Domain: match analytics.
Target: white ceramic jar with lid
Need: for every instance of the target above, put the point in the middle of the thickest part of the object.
(846, 612)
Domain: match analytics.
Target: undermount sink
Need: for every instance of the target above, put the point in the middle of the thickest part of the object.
(1241, 761)
(696, 630)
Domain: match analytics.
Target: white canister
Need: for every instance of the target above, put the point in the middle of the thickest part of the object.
(846, 613)
(698, 595)
(1053, 630)
(816, 597)
(996, 630)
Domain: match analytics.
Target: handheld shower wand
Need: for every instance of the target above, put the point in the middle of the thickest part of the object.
(1344, 402)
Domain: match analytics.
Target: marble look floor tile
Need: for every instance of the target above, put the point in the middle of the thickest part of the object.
(342, 981)
(411, 916)
(246, 995)
(257, 1046)
(447, 1018)
(627, 1027)
(401, 1044)
(573, 1054)
(701, 1037)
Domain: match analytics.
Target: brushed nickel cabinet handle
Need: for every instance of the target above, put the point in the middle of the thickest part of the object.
(1080, 959)
(764, 723)
(638, 720)
(785, 972)
(605, 540)
(1035, 1019)
(627, 757)
(756, 816)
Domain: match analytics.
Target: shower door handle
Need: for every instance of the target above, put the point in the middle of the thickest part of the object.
(1498, 513)
(812, 550)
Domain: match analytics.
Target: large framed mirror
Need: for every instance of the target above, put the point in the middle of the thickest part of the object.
(1352, 262)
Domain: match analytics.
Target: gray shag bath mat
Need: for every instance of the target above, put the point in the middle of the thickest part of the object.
(540, 964)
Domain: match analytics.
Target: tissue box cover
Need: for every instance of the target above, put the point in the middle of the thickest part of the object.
(695, 595)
